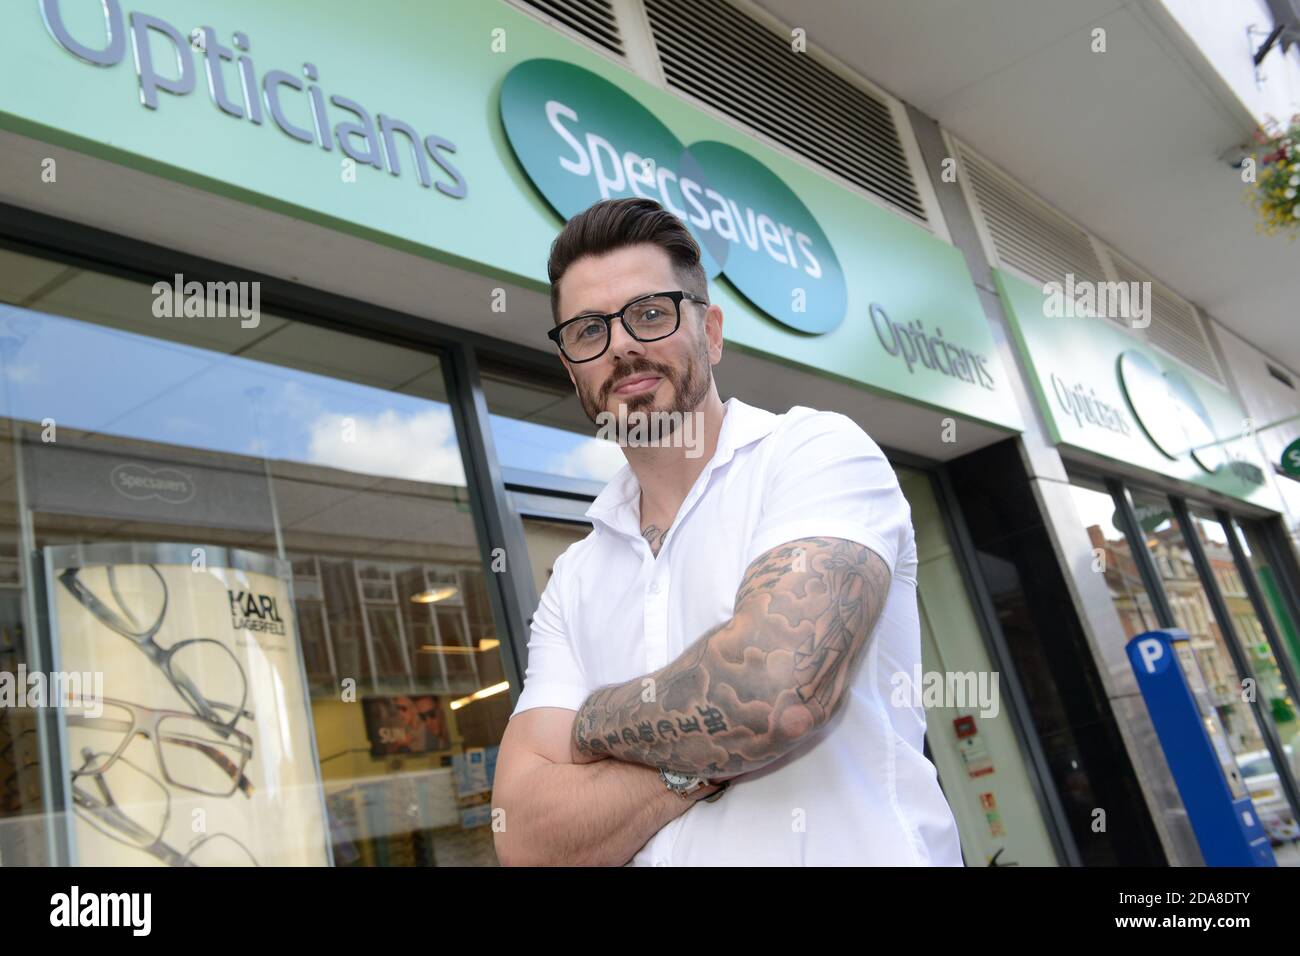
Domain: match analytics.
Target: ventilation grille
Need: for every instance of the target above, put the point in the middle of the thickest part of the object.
(1175, 327)
(1027, 235)
(1281, 376)
(1031, 237)
(715, 53)
(593, 20)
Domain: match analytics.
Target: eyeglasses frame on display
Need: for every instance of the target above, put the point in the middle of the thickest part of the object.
(145, 721)
(159, 656)
(111, 815)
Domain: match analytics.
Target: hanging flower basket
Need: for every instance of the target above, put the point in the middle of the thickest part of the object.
(1276, 190)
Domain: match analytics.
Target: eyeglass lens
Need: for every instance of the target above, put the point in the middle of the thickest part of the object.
(647, 319)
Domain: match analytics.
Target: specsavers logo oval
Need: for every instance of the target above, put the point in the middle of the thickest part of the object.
(1170, 411)
(581, 139)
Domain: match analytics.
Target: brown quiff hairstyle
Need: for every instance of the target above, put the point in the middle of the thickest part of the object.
(614, 223)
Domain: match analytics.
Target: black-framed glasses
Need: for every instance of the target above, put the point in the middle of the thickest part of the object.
(204, 671)
(194, 753)
(646, 318)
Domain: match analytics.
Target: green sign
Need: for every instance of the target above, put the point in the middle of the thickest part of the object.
(1103, 391)
(1291, 459)
(393, 121)
(582, 139)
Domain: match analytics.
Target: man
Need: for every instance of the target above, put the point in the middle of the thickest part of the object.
(408, 721)
(709, 670)
(435, 731)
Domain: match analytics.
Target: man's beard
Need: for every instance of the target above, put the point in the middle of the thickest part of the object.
(690, 386)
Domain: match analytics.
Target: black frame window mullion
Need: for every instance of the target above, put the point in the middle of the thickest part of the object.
(1281, 557)
(496, 522)
(1240, 661)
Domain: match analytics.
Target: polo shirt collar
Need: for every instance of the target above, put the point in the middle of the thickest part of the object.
(742, 424)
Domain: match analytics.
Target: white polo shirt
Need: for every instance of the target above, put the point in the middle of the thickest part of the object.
(860, 791)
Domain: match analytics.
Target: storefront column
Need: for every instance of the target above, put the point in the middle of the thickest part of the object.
(1050, 485)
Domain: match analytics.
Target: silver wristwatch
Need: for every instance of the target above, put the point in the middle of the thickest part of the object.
(684, 784)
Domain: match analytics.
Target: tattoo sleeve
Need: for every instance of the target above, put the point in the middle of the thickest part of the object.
(749, 690)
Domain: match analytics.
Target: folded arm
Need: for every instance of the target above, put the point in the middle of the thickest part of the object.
(550, 812)
(753, 688)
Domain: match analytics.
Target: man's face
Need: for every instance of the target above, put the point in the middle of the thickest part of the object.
(430, 714)
(668, 375)
(405, 711)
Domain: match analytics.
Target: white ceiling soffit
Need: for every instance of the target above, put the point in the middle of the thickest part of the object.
(1127, 143)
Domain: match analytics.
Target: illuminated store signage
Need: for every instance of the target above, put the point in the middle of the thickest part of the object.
(167, 62)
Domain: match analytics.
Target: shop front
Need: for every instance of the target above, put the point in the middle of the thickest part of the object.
(288, 459)
(1182, 518)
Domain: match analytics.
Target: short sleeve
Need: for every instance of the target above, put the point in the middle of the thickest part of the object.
(827, 478)
(554, 677)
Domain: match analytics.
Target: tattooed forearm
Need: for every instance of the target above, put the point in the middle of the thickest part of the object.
(749, 690)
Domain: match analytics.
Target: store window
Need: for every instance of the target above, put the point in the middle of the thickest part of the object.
(258, 532)
(546, 541)
(543, 437)
(1113, 558)
(1250, 535)
(1230, 695)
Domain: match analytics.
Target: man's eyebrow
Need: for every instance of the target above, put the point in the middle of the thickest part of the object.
(582, 312)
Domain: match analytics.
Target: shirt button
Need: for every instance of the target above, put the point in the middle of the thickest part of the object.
(654, 588)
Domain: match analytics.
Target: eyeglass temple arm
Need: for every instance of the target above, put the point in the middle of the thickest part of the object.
(92, 603)
(108, 811)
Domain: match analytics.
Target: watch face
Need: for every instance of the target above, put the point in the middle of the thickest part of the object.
(676, 778)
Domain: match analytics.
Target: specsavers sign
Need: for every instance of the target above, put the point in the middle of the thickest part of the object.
(582, 139)
(1104, 391)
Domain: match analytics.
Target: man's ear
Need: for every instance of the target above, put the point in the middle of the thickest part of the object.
(713, 331)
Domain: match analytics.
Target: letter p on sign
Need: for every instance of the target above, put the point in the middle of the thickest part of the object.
(1151, 651)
